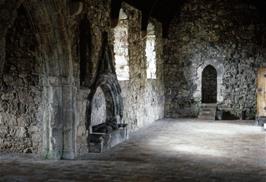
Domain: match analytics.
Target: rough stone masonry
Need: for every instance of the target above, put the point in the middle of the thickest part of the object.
(228, 35)
(47, 71)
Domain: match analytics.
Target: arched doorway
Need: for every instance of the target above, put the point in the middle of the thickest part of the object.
(209, 85)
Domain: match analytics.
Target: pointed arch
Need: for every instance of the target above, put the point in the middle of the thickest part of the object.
(107, 81)
(121, 47)
(209, 85)
(219, 67)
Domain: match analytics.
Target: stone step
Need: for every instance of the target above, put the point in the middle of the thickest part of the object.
(205, 118)
(208, 108)
(208, 105)
(207, 112)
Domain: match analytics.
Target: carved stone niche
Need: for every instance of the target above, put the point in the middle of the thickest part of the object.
(98, 108)
(105, 108)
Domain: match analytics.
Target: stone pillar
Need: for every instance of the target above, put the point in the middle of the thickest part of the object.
(68, 118)
(52, 118)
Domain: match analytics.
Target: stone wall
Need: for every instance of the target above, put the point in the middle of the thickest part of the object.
(121, 47)
(37, 89)
(97, 13)
(20, 124)
(143, 98)
(44, 101)
(98, 115)
(230, 36)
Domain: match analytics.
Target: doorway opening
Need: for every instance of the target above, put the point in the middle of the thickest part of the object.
(209, 85)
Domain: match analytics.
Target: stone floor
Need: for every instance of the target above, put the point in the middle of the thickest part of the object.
(168, 150)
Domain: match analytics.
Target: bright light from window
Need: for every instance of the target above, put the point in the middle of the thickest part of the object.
(151, 52)
(121, 47)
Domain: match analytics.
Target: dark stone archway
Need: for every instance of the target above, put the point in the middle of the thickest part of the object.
(112, 131)
(209, 85)
(106, 79)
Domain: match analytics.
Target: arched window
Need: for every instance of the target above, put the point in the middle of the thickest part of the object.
(209, 85)
(85, 49)
(121, 47)
(151, 52)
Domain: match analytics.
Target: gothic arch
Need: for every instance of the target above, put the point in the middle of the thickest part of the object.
(121, 52)
(209, 85)
(217, 64)
(106, 79)
(113, 98)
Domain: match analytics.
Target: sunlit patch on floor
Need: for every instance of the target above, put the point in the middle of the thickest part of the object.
(197, 150)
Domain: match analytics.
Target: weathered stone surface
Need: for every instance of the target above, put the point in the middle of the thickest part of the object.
(168, 150)
(98, 115)
(229, 35)
(143, 98)
(20, 91)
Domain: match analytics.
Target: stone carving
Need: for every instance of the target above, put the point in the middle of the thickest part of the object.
(106, 79)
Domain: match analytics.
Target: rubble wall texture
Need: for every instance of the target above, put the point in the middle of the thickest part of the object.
(228, 35)
(143, 98)
(20, 91)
